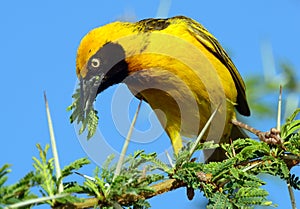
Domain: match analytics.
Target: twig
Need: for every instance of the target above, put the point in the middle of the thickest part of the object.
(54, 148)
(291, 157)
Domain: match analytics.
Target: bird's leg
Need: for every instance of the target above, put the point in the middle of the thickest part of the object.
(270, 137)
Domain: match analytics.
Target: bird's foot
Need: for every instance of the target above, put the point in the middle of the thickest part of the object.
(270, 137)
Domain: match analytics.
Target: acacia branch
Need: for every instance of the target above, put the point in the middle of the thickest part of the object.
(126, 199)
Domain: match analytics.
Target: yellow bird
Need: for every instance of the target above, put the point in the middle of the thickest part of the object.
(173, 64)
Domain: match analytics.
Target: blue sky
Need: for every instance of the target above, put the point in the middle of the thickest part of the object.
(38, 43)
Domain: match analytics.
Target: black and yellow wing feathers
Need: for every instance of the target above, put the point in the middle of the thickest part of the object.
(211, 44)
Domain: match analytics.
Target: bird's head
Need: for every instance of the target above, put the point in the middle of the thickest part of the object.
(100, 63)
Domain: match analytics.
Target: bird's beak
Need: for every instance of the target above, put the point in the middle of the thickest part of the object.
(88, 92)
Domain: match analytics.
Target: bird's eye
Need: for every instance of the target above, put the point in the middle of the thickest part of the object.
(95, 62)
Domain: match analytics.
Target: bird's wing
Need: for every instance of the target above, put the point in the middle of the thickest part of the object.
(211, 44)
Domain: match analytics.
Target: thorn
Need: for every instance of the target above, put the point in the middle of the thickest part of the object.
(203, 132)
(54, 147)
(126, 143)
(169, 159)
(279, 108)
(233, 150)
(85, 176)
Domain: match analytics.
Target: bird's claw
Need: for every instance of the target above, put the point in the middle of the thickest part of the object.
(271, 137)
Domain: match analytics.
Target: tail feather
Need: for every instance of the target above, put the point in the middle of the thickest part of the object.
(237, 132)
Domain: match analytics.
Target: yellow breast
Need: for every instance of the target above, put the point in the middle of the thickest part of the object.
(179, 76)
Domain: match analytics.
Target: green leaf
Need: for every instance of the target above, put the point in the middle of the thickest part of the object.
(219, 200)
(4, 170)
(77, 164)
(234, 172)
(89, 120)
(294, 181)
(291, 126)
(293, 144)
(44, 171)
